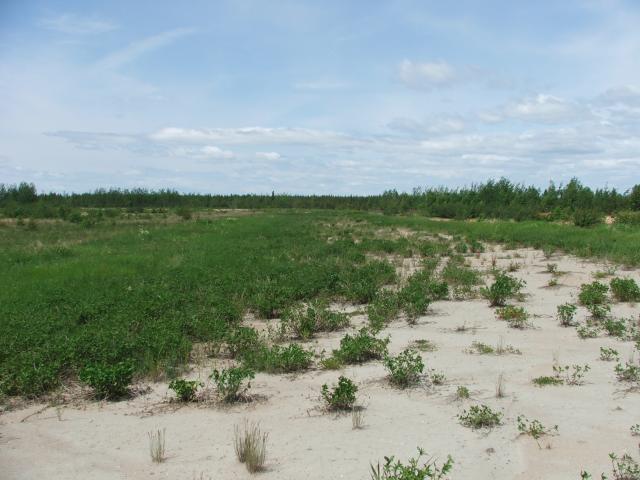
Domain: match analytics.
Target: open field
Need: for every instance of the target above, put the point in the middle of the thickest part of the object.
(170, 298)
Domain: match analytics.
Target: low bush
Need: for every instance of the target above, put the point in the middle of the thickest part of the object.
(566, 314)
(503, 288)
(278, 359)
(462, 393)
(361, 347)
(594, 293)
(629, 372)
(185, 389)
(585, 331)
(586, 218)
(341, 396)
(534, 428)
(405, 369)
(230, 382)
(415, 469)
(384, 308)
(108, 381)
(625, 289)
(480, 416)
(516, 317)
(608, 354)
(599, 311)
(547, 380)
(304, 321)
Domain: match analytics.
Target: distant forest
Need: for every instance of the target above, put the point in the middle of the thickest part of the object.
(499, 199)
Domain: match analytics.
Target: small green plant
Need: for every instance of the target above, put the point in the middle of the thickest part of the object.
(304, 321)
(361, 347)
(108, 381)
(629, 372)
(462, 393)
(424, 345)
(416, 469)
(594, 293)
(516, 317)
(480, 416)
(185, 389)
(331, 363)
(437, 378)
(405, 369)
(534, 428)
(615, 327)
(230, 382)
(585, 331)
(547, 380)
(341, 396)
(623, 468)
(571, 375)
(598, 311)
(481, 349)
(250, 445)
(608, 354)
(586, 217)
(635, 430)
(625, 289)
(566, 314)
(503, 288)
(552, 268)
(278, 359)
(384, 308)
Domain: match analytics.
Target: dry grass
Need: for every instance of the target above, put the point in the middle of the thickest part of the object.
(500, 389)
(157, 442)
(250, 444)
(357, 417)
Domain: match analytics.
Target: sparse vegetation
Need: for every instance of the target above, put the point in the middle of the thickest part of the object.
(405, 368)
(534, 428)
(608, 354)
(480, 416)
(516, 317)
(361, 347)
(594, 293)
(462, 393)
(566, 314)
(108, 381)
(304, 321)
(250, 445)
(185, 389)
(625, 289)
(341, 396)
(157, 445)
(230, 382)
(415, 469)
(503, 288)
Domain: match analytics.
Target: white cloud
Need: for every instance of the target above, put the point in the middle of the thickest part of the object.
(427, 75)
(541, 108)
(268, 155)
(136, 49)
(437, 125)
(73, 24)
(210, 151)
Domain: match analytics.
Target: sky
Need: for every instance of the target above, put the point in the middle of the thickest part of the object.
(340, 97)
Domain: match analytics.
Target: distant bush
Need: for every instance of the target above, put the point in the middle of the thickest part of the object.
(504, 287)
(594, 293)
(341, 396)
(586, 218)
(627, 217)
(405, 368)
(304, 321)
(625, 289)
(384, 308)
(361, 347)
(108, 381)
(278, 359)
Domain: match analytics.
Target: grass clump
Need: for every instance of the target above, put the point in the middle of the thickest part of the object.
(594, 293)
(384, 309)
(566, 314)
(157, 445)
(481, 348)
(415, 469)
(108, 381)
(341, 396)
(598, 311)
(419, 292)
(460, 278)
(230, 383)
(185, 389)
(304, 321)
(404, 369)
(250, 445)
(564, 375)
(278, 359)
(424, 345)
(625, 289)
(361, 347)
(547, 380)
(480, 416)
(534, 428)
(503, 288)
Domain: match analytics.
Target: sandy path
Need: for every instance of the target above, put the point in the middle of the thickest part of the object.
(109, 440)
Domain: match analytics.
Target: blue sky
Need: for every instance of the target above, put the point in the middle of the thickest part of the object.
(318, 97)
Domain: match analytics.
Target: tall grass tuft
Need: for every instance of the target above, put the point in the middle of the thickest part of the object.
(250, 445)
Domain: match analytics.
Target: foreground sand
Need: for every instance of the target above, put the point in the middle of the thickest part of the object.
(101, 440)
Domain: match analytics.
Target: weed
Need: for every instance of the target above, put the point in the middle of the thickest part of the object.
(615, 327)
(553, 282)
(608, 354)
(462, 393)
(571, 375)
(547, 380)
(185, 389)
(534, 428)
(437, 378)
(552, 268)
(502, 349)
(566, 314)
(278, 359)
(625, 289)
(629, 372)
(341, 396)
(414, 470)
(384, 308)
(503, 288)
(480, 416)
(500, 389)
(361, 347)
(424, 345)
(585, 331)
(230, 382)
(594, 293)
(481, 348)
(108, 381)
(304, 321)
(405, 369)
(635, 430)
(357, 418)
(157, 442)
(516, 317)
(250, 445)
(598, 311)
(331, 363)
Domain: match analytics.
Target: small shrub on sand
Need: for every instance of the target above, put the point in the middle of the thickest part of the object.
(598, 311)
(384, 309)
(547, 380)
(594, 293)
(462, 393)
(415, 469)
(437, 378)
(629, 372)
(625, 290)
(250, 445)
(608, 354)
(504, 287)
(230, 382)
(480, 416)
(304, 321)
(361, 347)
(341, 396)
(585, 331)
(481, 348)
(534, 428)
(424, 345)
(185, 389)
(516, 317)
(567, 375)
(405, 369)
(108, 381)
(635, 430)
(566, 314)
(278, 359)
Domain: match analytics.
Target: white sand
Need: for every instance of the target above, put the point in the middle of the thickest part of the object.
(101, 440)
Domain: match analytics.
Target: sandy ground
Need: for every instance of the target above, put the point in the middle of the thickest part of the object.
(102, 440)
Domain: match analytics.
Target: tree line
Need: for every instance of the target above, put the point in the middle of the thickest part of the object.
(500, 199)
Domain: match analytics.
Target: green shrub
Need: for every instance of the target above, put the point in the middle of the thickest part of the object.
(628, 372)
(504, 287)
(278, 359)
(608, 354)
(516, 317)
(481, 348)
(585, 331)
(586, 218)
(547, 380)
(625, 289)
(185, 389)
(462, 393)
(108, 381)
(628, 218)
(599, 311)
(480, 416)
(305, 321)
(241, 340)
(384, 308)
(415, 469)
(341, 396)
(534, 428)
(594, 293)
(405, 368)
(615, 327)
(230, 382)
(566, 314)
(361, 347)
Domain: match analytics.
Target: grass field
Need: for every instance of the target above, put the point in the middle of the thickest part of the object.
(143, 291)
